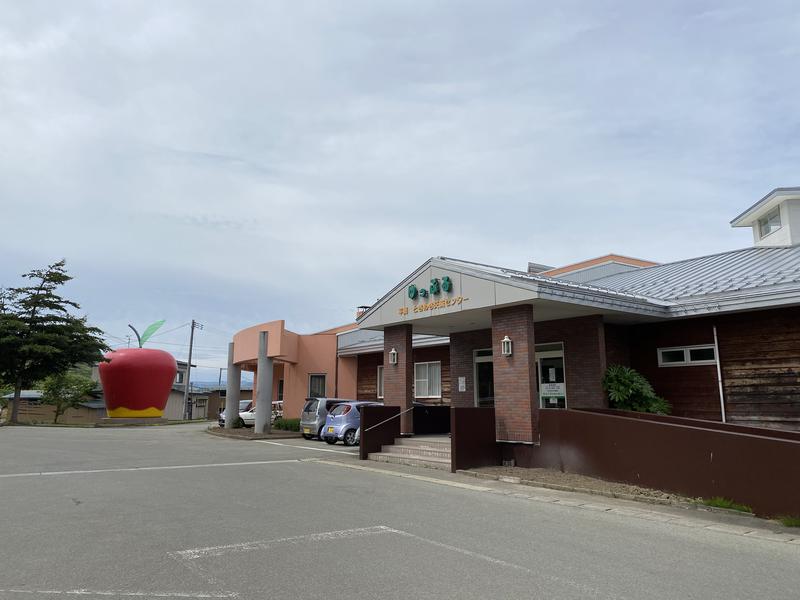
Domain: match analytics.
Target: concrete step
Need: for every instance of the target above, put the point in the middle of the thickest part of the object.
(443, 464)
(436, 442)
(418, 451)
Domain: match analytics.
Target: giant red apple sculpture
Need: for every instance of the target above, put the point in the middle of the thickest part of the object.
(137, 381)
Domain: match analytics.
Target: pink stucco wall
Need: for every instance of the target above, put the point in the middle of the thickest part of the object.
(297, 356)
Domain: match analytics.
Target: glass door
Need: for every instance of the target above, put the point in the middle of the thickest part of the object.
(484, 378)
(552, 385)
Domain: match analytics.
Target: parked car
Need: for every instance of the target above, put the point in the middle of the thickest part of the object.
(344, 422)
(244, 406)
(315, 411)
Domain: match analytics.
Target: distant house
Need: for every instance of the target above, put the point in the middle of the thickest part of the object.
(32, 410)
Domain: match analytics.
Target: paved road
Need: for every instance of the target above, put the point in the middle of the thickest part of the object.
(171, 512)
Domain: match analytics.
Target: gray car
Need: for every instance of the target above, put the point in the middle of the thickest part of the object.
(344, 422)
(312, 419)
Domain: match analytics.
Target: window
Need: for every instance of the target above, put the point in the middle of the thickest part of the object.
(686, 356)
(316, 386)
(179, 377)
(428, 380)
(770, 223)
(280, 390)
(380, 382)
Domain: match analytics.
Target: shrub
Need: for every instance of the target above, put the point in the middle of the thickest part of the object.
(790, 521)
(627, 389)
(287, 424)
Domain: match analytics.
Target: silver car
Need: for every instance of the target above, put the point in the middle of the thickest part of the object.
(344, 422)
(312, 419)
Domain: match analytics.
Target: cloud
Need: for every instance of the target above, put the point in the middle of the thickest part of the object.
(247, 161)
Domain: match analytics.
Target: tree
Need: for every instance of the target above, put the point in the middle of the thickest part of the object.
(39, 335)
(628, 389)
(65, 390)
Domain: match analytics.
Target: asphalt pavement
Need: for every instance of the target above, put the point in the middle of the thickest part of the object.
(172, 512)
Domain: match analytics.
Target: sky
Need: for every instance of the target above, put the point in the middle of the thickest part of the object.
(243, 161)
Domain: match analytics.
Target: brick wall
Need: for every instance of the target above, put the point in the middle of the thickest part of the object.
(618, 345)
(398, 380)
(515, 398)
(584, 357)
(461, 363)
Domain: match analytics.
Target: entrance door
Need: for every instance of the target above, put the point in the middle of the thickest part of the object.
(484, 378)
(550, 370)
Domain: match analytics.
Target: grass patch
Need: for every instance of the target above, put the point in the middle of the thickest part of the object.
(790, 521)
(287, 424)
(720, 502)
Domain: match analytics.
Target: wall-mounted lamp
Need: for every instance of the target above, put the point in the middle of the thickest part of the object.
(392, 356)
(505, 346)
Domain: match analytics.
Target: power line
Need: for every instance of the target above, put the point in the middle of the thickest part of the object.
(170, 330)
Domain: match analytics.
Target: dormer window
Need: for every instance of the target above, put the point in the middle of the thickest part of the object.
(770, 223)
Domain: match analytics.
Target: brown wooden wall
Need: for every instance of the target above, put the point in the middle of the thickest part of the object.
(367, 376)
(760, 358)
(760, 354)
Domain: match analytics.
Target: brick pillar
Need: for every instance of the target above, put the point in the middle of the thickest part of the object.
(398, 380)
(516, 407)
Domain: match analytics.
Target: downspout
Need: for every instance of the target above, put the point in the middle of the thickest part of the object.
(719, 376)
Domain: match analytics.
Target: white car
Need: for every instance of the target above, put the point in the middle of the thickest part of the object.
(247, 412)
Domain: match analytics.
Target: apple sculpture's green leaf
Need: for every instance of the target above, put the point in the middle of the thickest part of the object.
(148, 333)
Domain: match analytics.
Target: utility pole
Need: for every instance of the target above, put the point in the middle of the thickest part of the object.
(187, 405)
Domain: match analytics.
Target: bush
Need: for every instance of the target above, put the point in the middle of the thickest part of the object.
(287, 424)
(627, 389)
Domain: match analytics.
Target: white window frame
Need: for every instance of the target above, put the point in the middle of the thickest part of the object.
(765, 221)
(686, 362)
(325, 387)
(179, 377)
(428, 375)
(379, 383)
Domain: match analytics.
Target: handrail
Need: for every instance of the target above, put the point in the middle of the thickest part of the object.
(389, 419)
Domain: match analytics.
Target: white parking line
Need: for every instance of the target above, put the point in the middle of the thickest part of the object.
(215, 551)
(350, 452)
(162, 468)
(195, 553)
(124, 593)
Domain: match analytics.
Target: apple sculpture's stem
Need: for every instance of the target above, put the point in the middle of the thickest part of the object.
(137, 381)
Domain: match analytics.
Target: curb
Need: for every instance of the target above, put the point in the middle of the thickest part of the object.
(289, 435)
(631, 497)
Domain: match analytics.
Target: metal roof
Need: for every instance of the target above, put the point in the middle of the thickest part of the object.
(756, 268)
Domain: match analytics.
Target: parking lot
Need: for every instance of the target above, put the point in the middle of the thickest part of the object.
(171, 512)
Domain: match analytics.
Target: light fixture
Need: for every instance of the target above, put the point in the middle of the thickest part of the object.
(392, 356)
(505, 346)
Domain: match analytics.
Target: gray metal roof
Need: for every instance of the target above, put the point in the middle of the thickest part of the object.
(735, 271)
(25, 395)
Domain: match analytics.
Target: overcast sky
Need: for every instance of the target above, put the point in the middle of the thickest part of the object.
(238, 162)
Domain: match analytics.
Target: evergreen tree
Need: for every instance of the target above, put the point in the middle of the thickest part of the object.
(39, 335)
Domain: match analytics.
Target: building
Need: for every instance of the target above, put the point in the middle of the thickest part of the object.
(304, 365)
(718, 336)
(33, 411)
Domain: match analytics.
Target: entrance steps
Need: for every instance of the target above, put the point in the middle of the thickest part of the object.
(431, 451)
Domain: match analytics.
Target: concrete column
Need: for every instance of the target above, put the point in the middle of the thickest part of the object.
(516, 406)
(398, 380)
(233, 390)
(264, 387)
